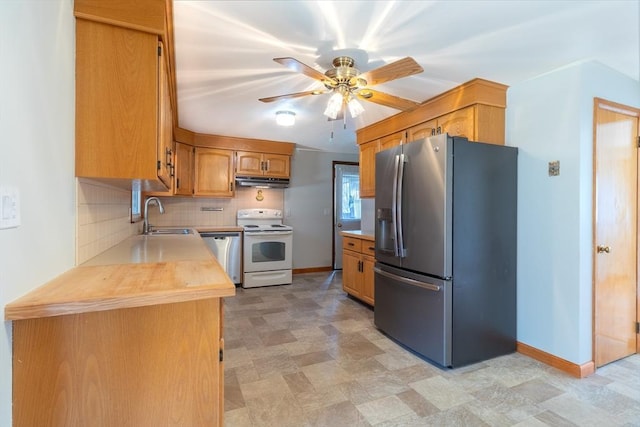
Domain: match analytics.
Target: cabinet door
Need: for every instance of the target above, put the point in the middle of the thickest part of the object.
(183, 169)
(392, 140)
(368, 279)
(351, 275)
(276, 165)
(165, 125)
(116, 102)
(458, 123)
(248, 163)
(368, 152)
(213, 172)
(423, 130)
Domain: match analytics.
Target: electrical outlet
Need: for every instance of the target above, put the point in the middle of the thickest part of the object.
(554, 168)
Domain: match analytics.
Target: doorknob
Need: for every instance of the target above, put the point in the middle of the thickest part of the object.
(602, 249)
(339, 225)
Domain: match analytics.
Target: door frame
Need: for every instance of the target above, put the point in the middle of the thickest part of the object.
(632, 111)
(333, 206)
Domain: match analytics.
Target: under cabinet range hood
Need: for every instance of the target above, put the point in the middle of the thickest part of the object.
(261, 182)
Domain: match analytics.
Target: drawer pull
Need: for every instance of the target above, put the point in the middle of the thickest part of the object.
(351, 244)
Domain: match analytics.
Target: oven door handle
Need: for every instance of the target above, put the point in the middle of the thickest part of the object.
(267, 233)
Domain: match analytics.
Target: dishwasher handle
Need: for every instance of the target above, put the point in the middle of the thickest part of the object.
(219, 234)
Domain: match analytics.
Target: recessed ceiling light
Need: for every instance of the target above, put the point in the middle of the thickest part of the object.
(285, 118)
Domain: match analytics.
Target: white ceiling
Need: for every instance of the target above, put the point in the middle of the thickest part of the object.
(225, 50)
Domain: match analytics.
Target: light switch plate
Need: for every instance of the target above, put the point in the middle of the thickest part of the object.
(9, 207)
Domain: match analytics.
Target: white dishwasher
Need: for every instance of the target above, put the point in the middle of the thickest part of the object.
(227, 248)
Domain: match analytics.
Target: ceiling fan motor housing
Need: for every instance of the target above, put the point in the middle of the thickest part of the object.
(344, 74)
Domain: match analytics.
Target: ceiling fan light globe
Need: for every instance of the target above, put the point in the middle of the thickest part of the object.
(334, 105)
(355, 108)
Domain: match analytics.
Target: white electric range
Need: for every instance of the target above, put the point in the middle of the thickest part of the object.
(267, 248)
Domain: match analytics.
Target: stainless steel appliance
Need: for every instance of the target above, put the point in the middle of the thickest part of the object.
(227, 248)
(445, 274)
(267, 248)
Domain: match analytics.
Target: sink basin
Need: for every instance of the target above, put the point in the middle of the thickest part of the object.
(165, 231)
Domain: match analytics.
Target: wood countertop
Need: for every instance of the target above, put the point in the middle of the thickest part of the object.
(359, 234)
(140, 271)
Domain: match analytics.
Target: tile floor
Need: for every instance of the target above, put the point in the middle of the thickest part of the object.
(305, 354)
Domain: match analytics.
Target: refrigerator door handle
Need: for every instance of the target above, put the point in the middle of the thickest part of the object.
(400, 241)
(412, 282)
(394, 205)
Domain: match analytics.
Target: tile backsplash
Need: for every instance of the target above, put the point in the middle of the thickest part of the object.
(194, 211)
(103, 218)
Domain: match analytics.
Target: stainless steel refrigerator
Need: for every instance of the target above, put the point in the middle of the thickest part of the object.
(445, 230)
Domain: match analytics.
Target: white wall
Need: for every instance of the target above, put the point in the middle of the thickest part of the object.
(308, 206)
(550, 118)
(37, 146)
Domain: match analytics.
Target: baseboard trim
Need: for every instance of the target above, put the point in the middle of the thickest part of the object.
(311, 270)
(575, 370)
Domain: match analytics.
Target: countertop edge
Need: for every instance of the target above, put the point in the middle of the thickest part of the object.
(35, 311)
(359, 235)
(109, 286)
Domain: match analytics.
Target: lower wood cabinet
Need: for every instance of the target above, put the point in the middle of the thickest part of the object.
(357, 268)
(158, 365)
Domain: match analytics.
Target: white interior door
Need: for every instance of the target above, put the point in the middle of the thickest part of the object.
(346, 215)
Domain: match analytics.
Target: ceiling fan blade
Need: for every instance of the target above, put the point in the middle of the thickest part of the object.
(387, 100)
(396, 70)
(292, 95)
(297, 66)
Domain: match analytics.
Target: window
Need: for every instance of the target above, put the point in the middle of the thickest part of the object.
(350, 196)
(136, 205)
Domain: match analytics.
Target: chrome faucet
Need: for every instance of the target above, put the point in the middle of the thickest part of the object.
(146, 227)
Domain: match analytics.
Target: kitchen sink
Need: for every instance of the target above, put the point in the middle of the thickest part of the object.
(165, 231)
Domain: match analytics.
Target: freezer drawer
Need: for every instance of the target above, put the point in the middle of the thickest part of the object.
(415, 310)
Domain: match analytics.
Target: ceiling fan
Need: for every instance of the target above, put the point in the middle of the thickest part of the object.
(348, 85)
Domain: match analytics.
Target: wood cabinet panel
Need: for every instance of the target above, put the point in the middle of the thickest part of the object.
(277, 165)
(357, 268)
(423, 130)
(368, 168)
(165, 127)
(392, 140)
(351, 280)
(262, 164)
(213, 172)
(458, 123)
(119, 105)
(184, 169)
(368, 289)
(144, 15)
(143, 366)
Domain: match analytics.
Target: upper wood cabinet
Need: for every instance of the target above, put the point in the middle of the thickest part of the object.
(165, 125)
(368, 168)
(475, 110)
(262, 164)
(184, 170)
(392, 140)
(423, 130)
(213, 172)
(120, 105)
(143, 15)
(368, 161)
